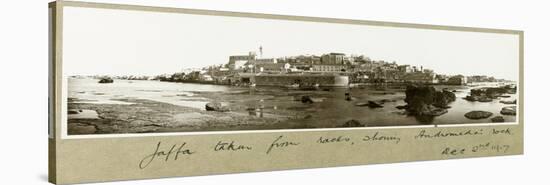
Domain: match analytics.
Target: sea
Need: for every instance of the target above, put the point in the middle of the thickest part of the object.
(331, 111)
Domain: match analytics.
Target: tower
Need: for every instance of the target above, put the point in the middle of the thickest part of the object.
(261, 52)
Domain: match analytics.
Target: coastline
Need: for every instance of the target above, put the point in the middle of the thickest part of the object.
(254, 108)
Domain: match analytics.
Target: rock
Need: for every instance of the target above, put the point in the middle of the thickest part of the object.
(497, 119)
(477, 114)
(480, 98)
(470, 98)
(351, 98)
(418, 97)
(72, 111)
(436, 112)
(106, 80)
(487, 94)
(370, 104)
(426, 100)
(508, 102)
(485, 99)
(353, 123)
(373, 104)
(442, 98)
(510, 110)
(306, 99)
(495, 92)
(216, 106)
(401, 107)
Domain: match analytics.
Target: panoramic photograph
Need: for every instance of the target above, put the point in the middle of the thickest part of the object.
(152, 72)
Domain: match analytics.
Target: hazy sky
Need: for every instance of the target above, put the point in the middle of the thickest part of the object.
(102, 41)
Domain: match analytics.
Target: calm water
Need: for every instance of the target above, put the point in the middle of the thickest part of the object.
(89, 91)
(331, 112)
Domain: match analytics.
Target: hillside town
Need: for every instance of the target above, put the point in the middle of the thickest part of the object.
(330, 69)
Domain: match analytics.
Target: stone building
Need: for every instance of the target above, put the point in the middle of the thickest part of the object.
(237, 62)
(333, 59)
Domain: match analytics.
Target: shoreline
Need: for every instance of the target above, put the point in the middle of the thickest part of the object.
(259, 108)
(144, 116)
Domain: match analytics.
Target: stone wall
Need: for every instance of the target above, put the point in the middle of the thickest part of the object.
(283, 80)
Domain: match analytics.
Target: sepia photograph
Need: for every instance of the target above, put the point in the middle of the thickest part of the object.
(128, 72)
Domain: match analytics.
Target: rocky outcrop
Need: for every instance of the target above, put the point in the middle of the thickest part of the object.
(353, 123)
(497, 119)
(510, 110)
(106, 80)
(370, 104)
(216, 106)
(427, 101)
(442, 98)
(508, 102)
(488, 94)
(478, 114)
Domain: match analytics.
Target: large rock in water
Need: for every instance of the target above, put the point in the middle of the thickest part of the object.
(487, 94)
(216, 106)
(427, 101)
(478, 114)
(442, 98)
(106, 80)
(508, 102)
(497, 119)
(510, 110)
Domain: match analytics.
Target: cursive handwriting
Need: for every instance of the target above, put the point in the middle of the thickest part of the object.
(231, 146)
(379, 137)
(506, 131)
(440, 134)
(338, 139)
(277, 143)
(173, 152)
(483, 147)
(453, 151)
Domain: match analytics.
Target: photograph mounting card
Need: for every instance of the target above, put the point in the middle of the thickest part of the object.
(141, 92)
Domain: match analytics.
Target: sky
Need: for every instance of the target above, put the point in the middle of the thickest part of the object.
(122, 42)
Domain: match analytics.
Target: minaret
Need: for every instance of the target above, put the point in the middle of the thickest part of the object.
(261, 52)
